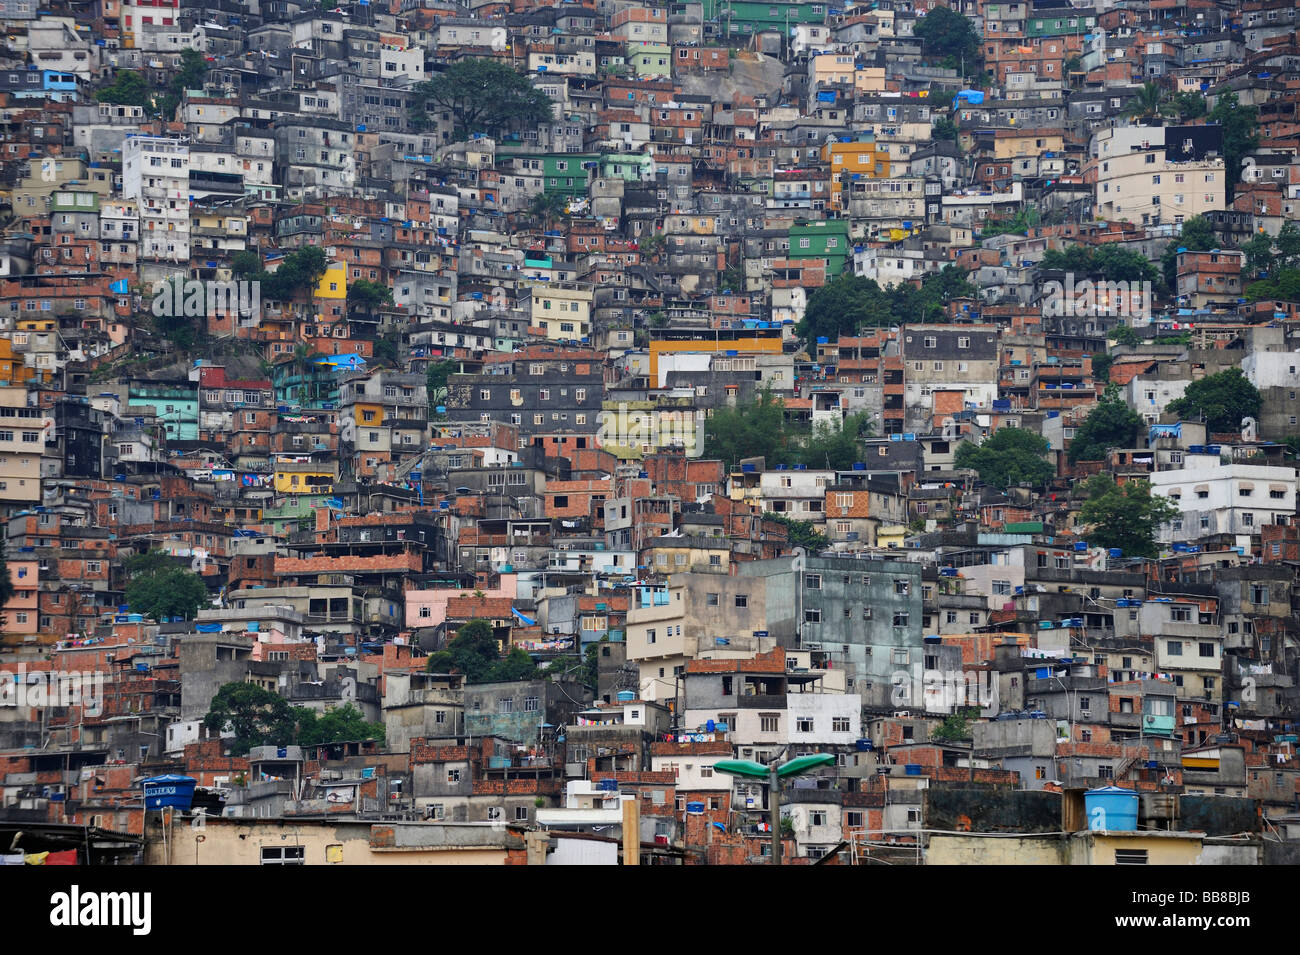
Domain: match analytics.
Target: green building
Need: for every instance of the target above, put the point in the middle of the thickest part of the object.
(176, 406)
(743, 18)
(1061, 24)
(822, 239)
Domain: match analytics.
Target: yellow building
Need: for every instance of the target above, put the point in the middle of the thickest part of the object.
(334, 283)
(304, 477)
(562, 310)
(864, 158)
(741, 342)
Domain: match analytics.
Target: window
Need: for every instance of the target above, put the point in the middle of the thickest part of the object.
(901, 619)
(812, 616)
(768, 722)
(284, 855)
(742, 601)
(1206, 649)
(840, 724)
(1180, 614)
(1130, 856)
(902, 587)
(453, 775)
(1175, 648)
(813, 581)
(803, 724)
(710, 600)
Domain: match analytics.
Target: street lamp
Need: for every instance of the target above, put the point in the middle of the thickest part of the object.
(774, 773)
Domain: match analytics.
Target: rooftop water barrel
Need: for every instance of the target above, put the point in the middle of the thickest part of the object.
(1111, 809)
(626, 696)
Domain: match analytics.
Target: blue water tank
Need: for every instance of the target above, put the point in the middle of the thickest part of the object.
(626, 696)
(609, 785)
(864, 746)
(169, 790)
(1111, 809)
(912, 769)
(695, 808)
(710, 726)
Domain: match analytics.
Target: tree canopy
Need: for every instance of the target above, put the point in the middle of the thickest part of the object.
(473, 652)
(747, 431)
(1197, 235)
(1222, 399)
(1111, 424)
(160, 588)
(802, 533)
(1008, 457)
(481, 96)
(1124, 516)
(129, 88)
(257, 716)
(1240, 134)
(341, 724)
(950, 37)
(1108, 262)
(849, 302)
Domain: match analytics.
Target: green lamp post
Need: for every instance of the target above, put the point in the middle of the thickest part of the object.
(774, 773)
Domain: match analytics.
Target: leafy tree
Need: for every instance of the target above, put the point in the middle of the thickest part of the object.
(1284, 288)
(129, 88)
(1197, 235)
(1288, 245)
(258, 717)
(802, 533)
(6, 583)
(166, 591)
(193, 67)
(1189, 105)
(436, 379)
(342, 724)
(944, 129)
(245, 264)
(473, 652)
(1124, 516)
(955, 726)
(837, 447)
(733, 278)
(949, 36)
(747, 431)
(482, 96)
(366, 296)
(1240, 133)
(387, 348)
(1109, 262)
(1101, 363)
(1151, 103)
(1123, 335)
(843, 305)
(1010, 456)
(1259, 254)
(1111, 424)
(1222, 400)
(1024, 220)
(548, 207)
(178, 326)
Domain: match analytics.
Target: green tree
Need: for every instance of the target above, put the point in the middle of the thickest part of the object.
(436, 379)
(365, 296)
(1111, 424)
(256, 715)
(129, 88)
(944, 129)
(949, 37)
(835, 446)
(1189, 105)
(1101, 363)
(1240, 134)
(1151, 103)
(189, 76)
(473, 652)
(1125, 517)
(843, 305)
(343, 724)
(1222, 400)
(166, 591)
(802, 533)
(1285, 287)
(482, 96)
(1124, 335)
(955, 726)
(1197, 235)
(747, 431)
(1259, 255)
(245, 264)
(1288, 245)
(1024, 220)
(1010, 456)
(6, 583)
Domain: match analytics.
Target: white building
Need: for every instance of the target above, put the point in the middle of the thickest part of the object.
(1225, 499)
(156, 175)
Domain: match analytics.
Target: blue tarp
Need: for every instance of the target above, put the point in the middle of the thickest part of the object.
(528, 621)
